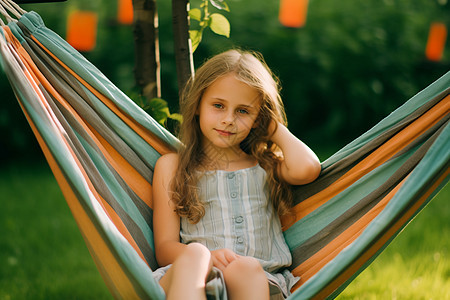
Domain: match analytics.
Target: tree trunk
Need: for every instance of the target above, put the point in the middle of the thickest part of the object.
(183, 49)
(146, 45)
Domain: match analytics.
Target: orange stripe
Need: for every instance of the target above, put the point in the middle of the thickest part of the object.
(147, 135)
(369, 253)
(111, 213)
(375, 159)
(11, 39)
(133, 179)
(136, 182)
(104, 257)
(316, 262)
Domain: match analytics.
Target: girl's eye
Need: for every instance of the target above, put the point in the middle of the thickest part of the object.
(243, 111)
(218, 105)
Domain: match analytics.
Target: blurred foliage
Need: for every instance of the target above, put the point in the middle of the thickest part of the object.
(352, 64)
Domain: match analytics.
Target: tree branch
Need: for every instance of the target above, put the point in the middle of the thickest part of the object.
(147, 62)
(183, 52)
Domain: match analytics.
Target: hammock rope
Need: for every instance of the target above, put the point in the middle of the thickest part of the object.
(102, 148)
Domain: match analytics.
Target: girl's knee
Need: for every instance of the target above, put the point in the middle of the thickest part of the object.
(197, 249)
(194, 262)
(245, 279)
(186, 278)
(195, 253)
(243, 268)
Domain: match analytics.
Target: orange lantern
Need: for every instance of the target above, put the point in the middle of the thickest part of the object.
(82, 30)
(293, 13)
(436, 41)
(125, 12)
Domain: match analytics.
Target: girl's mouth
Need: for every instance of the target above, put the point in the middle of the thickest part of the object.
(224, 132)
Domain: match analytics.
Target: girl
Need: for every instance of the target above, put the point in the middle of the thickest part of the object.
(217, 201)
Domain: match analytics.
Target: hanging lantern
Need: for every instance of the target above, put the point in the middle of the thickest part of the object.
(436, 41)
(82, 30)
(125, 12)
(293, 13)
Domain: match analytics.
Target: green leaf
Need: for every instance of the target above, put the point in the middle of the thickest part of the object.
(195, 14)
(220, 25)
(220, 4)
(176, 117)
(196, 38)
(157, 104)
(158, 110)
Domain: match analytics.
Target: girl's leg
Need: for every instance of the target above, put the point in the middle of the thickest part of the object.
(245, 280)
(186, 277)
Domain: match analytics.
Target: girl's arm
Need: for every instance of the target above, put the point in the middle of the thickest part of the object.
(300, 164)
(166, 223)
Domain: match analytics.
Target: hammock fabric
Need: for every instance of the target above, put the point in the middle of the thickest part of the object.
(102, 148)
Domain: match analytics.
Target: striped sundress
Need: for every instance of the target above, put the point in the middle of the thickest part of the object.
(239, 216)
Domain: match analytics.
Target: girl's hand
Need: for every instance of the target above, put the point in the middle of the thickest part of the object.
(300, 164)
(221, 258)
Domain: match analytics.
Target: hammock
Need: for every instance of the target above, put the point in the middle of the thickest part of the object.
(102, 148)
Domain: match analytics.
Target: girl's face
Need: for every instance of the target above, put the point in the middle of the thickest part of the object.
(227, 112)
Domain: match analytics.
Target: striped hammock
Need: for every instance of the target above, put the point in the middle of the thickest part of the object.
(102, 148)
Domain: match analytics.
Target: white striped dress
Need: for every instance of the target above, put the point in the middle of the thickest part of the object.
(239, 216)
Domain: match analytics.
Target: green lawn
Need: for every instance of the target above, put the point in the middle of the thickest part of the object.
(416, 265)
(43, 256)
(42, 253)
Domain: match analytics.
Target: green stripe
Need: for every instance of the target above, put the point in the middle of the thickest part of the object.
(435, 162)
(314, 222)
(73, 92)
(127, 257)
(82, 67)
(133, 140)
(347, 218)
(118, 194)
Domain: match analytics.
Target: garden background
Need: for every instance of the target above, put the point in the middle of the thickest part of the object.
(351, 64)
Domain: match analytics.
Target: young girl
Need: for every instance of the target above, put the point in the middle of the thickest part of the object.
(217, 201)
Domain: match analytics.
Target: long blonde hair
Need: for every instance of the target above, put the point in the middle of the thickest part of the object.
(250, 68)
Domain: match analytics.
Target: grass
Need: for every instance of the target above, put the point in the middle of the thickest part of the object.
(43, 256)
(42, 253)
(417, 263)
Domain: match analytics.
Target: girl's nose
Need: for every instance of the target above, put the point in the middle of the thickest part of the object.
(228, 118)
